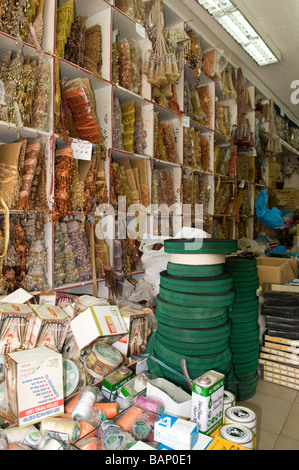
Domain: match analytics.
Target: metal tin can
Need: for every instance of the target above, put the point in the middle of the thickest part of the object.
(238, 434)
(241, 415)
(207, 401)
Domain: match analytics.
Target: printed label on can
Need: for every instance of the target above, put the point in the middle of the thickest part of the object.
(207, 402)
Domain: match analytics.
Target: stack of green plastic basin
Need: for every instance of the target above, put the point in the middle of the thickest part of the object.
(192, 310)
(244, 340)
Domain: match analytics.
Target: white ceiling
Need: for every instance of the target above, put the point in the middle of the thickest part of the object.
(279, 19)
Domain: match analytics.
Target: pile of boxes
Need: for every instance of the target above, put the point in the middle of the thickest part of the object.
(43, 345)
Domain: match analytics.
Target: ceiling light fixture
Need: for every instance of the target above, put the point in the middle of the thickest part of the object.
(235, 23)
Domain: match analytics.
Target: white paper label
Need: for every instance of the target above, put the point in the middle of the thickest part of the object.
(82, 149)
(186, 121)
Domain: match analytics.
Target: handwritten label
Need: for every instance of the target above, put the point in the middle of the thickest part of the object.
(82, 149)
(186, 121)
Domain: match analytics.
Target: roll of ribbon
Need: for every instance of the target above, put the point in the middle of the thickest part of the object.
(195, 271)
(201, 246)
(197, 285)
(149, 404)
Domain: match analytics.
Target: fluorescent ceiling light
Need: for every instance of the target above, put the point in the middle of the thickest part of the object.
(233, 21)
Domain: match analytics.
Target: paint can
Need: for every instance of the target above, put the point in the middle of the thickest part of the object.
(238, 434)
(242, 415)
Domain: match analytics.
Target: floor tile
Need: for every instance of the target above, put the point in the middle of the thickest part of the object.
(271, 412)
(286, 443)
(266, 440)
(291, 425)
(276, 390)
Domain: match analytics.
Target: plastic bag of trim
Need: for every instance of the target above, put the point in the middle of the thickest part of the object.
(272, 218)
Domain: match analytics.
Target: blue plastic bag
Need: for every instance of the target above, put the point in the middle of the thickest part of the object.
(272, 218)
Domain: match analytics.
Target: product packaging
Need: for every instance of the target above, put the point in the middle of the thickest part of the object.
(134, 343)
(34, 384)
(176, 432)
(102, 321)
(50, 327)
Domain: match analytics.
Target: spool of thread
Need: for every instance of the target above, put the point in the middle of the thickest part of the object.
(29, 436)
(63, 429)
(87, 428)
(110, 409)
(91, 443)
(141, 430)
(52, 444)
(128, 418)
(69, 407)
(84, 405)
(149, 404)
(112, 436)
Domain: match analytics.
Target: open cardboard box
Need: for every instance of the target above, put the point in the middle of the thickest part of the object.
(276, 270)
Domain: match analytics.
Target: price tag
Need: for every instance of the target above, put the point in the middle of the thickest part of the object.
(82, 149)
(242, 184)
(140, 30)
(186, 121)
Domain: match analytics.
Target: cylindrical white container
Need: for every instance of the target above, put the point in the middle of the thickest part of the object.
(241, 415)
(238, 434)
(229, 400)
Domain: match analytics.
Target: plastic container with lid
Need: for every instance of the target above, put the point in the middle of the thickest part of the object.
(103, 359)
(238, 434)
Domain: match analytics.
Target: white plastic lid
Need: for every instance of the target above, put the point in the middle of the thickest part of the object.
(240, 414)
(236, 433)
(70, 377)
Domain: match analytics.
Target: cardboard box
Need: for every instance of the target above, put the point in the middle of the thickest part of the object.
(34, 384)
(282, 288)
(50, 327)
(98, 322)
(176, 401)
(16, 321)
(115, 380)
(276, 270)
(286, 382)
(219, 443)
(135, 341)
(177, 433)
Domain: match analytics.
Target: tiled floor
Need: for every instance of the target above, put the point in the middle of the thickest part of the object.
(277, 410)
